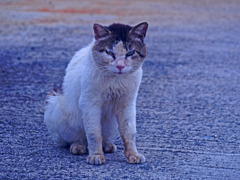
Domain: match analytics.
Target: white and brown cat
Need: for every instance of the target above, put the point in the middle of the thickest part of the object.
(99, 94)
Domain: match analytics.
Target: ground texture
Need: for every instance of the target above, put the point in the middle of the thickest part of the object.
(188, 109)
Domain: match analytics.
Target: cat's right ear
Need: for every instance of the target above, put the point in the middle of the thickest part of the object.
(139, 31)
(100, 31)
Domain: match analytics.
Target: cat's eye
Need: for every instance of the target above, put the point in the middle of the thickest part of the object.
(130, 53)
(110, 53)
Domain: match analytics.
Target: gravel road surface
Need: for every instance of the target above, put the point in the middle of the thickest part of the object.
(188, 109)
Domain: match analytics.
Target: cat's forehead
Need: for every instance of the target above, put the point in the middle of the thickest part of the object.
(119, 32)
(119, 48)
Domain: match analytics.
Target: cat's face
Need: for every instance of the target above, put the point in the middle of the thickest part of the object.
(119, 49)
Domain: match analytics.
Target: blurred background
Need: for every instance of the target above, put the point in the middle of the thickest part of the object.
(156, 12)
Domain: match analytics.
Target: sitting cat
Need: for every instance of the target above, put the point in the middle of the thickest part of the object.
(99, 94)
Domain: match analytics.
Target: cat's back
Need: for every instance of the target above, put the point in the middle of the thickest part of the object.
(74, 74)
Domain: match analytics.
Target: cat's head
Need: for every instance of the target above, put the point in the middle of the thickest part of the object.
(118, 48)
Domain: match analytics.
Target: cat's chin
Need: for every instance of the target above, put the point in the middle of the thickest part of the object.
(119, 74)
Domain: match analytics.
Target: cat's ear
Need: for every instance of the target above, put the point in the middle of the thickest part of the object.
(100, 31)
(139, 30)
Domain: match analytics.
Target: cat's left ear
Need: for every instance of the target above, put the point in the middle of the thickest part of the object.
(139, 30)
(100, 31)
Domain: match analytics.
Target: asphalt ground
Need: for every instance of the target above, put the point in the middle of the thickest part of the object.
(188, 108)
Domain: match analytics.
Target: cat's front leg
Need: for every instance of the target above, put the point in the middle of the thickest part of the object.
(91, 114)
(126, 117)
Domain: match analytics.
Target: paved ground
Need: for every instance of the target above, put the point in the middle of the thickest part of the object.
(189, 102)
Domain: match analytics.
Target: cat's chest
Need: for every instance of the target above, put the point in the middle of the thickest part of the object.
(113, 93)
(116, 89)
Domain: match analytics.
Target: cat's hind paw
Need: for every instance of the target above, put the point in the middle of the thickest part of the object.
(109, 147)
(134, 158)
(78, 149)
(96, 159)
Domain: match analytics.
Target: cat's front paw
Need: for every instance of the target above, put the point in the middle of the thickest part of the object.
(96, 159)
(134, 158)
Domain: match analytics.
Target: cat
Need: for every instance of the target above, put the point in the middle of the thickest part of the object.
(100, 88)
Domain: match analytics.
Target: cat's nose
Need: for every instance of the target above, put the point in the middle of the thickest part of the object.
(120, 67)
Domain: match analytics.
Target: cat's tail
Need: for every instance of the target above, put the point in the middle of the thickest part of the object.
(55, 92)
(54, 117)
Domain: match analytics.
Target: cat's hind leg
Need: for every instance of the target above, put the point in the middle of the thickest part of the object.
(64, 127)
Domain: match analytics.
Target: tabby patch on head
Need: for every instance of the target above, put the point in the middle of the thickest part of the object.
(118, 48)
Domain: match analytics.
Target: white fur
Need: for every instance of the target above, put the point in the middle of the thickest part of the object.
(93, 104)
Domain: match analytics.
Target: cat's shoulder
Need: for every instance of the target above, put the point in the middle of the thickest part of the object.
(83, 52)
(80, 57)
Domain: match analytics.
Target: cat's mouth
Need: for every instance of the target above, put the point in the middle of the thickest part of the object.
(119, 72)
